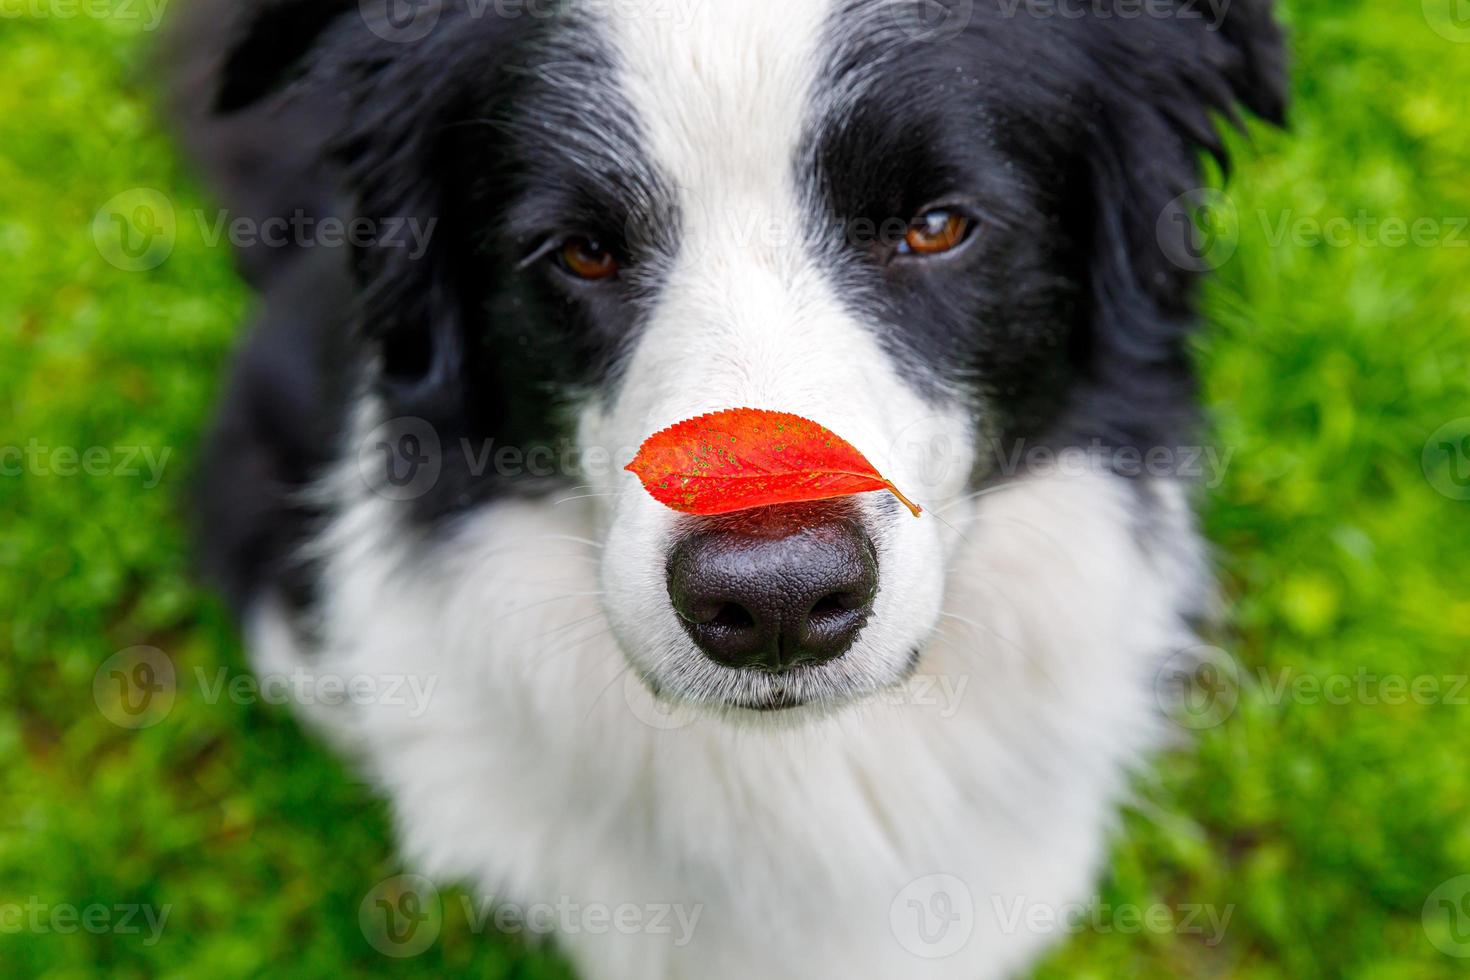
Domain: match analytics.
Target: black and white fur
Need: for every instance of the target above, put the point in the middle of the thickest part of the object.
(722, 147)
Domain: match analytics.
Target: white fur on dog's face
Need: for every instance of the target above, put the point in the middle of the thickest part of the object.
(749, 315)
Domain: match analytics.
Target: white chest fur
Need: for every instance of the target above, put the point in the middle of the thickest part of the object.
(895, 838)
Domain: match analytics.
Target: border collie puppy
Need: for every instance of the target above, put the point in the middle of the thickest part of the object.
(841, 741)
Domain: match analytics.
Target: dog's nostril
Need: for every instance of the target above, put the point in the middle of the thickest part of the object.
(764, 599)
(833, 604)
(732, 616)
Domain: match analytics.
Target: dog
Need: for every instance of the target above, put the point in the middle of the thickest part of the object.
(841, 741)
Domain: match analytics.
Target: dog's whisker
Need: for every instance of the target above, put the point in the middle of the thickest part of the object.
(946, 614)
(571, 625)
(583, 641)
(958, 533)
(1014, 522)
(986, 491)
(1027, 654)
(535, 545)
(576, 540)
(560, 653)
(585, 496)
(603, 693)
(546, 602)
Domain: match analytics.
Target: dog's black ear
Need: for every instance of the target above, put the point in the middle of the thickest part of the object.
(400, 161)
(1178, 67)
(229, 69)
(1257, 70)
(337, 110)
(228, 56)
(1160, 87)
(271, 40)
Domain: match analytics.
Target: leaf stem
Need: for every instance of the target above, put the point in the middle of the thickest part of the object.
(914, 508)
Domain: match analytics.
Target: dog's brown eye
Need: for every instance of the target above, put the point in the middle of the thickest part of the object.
(935, 232)
(585, 258)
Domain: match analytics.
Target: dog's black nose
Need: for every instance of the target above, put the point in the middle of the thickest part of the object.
(773, 591)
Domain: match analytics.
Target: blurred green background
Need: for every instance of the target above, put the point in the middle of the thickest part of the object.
(1324, 824)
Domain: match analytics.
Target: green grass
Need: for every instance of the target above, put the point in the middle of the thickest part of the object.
(1322, 827)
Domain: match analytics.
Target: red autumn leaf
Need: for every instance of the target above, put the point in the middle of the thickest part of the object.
(745, 457)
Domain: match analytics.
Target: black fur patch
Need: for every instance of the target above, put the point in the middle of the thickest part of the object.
(1064, 319)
